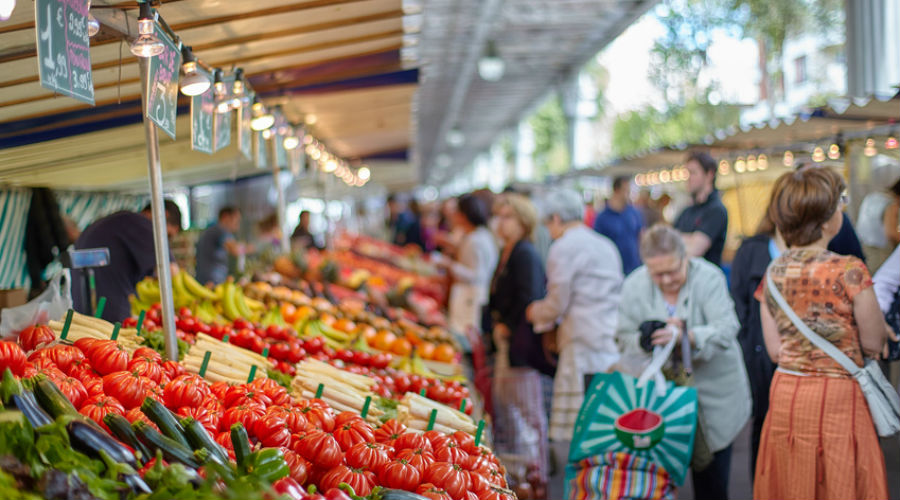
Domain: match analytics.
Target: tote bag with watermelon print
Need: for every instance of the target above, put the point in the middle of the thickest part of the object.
(631, 440)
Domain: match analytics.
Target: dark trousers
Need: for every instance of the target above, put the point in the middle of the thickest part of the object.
(712, 482)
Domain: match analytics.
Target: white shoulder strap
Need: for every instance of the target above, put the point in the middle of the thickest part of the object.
(826, 346)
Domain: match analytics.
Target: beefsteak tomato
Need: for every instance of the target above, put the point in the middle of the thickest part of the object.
(389, 431)
(367, 455)
(107, 356)
(321, 449)
(12, 356)
(128, 387)
(352, 433)
(450, 477)
(399, 474)
(97, 407)
(185, 390)
(35, 335)
(362, 481)
(432, 492)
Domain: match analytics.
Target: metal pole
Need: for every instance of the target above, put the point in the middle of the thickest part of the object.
(273, 148)
(157, 207)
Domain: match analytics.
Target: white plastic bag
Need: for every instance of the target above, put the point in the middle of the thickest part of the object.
(51, 304)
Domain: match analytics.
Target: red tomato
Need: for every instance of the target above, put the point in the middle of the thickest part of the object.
(219, 389)
(35, 335)
(345, 417)
(97, 407)
(84, 343)
(418, 458)
(243, 394)
(81, 369)
(399, 474)
(271, 431)
(362, 358)
(353, 432)
(367, 456)
(389, 431)
(107, 356)
(278, 394)
(432, 492)
(437, 392)
(173, 369)
(451, 452)
(495, 477)
(146, 352)
(465, 441)
(381, 361)
(321, 418)
(313, 345)
(411, 440)
(209, 420)
(293, 418)
(12, 356)
(73, 389)
(280, 351)
(185, 390)
(345, 355)
(362, 481)
(478, 483)
(146, 367)
(286, 368)
(135, 414)
(496, 495)
(244, 415)
(299, 466)
(212, 405)
(289, 488)
(93, 386)
(321, 449)
(64, 355)
(128, 387)
(437, 439)
(450, 477)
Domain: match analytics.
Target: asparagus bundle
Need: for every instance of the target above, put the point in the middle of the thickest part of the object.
(227, 362)
(343, 391)
(415, 412)
(88, 326)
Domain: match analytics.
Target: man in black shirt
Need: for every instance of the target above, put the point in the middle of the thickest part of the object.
(703, 224)
(129, 237)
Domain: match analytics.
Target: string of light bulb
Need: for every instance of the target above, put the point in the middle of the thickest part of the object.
(197, 77)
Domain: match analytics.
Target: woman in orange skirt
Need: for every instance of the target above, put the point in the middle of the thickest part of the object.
(818, 440)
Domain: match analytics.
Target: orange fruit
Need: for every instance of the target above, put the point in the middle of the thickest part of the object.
(327, 319)
(384, 340)
(367, 331)
(401, 347)
(302, 313)
(344, 325)
(288, 312)
(444, 352)
(426, 350)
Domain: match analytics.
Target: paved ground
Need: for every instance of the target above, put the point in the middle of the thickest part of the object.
(740, 486)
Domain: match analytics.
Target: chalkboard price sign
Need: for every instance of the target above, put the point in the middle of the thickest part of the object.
(262, 150)
(63, 47)
(202, 111)
(245, 138)
(223, 120)
(162, 95)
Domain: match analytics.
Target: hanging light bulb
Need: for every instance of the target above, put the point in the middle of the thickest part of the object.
(891, 142)
(223, 107)
(751, 163)
(267, 133)
(834, 151)
(147, 44)
(291, 142)
(238, 87)
(330, 166)
(724, 168)
(364, 173)
(870, 149)
(93, 25)
(262, 118)
(762, 162)
(788, 159)
(6, 9)
(818, 154)
(740, 165)
(491, 66)
(194, 82)
(219, 83)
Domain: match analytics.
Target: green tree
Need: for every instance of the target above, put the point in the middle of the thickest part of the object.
(548, 124)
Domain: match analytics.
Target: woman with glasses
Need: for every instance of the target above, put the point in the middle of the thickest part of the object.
(818, 439)
(671, 289)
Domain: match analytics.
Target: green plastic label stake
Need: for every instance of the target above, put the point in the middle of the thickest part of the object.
(101, 304)
(479, 432)
(320, 390)
(431, 419)
(205, 363)
(265, 352)
(115, 332)
(226, 338)
(365, 408)
(252, 374)
(462, 405)
(422, 393)
(67, 325)
(140, 323)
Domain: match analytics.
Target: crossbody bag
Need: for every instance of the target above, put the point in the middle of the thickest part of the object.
(882, 398)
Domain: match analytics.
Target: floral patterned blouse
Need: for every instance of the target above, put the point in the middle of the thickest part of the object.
(820, 286)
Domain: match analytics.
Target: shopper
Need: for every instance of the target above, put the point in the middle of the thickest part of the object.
(129, 238)
(747, 270)
(268, 235)
(877, 220)
(704, 223)
(302, 237)
(473, 267)
(584, 279)
(818, 439)
(522, 369)
(886, 281)
(622, 223)
(691, 294)
(650, 212)
(216, 243)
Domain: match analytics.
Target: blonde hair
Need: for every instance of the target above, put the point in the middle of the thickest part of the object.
(524, 211)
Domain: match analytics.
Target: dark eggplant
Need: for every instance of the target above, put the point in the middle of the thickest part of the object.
(92, 440)
(29, 407)
(400, 495)
(136, 483)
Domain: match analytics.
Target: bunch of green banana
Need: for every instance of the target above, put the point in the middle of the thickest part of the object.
(334, 338)
(206, 312)
(272, 317)
(147, 291)
(236, 305)
(415, 365)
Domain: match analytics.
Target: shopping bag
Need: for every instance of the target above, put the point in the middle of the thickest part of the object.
(654, 421)
(617, 475)
(51, 304)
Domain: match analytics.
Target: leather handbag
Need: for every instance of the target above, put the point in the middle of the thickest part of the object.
(882, 398)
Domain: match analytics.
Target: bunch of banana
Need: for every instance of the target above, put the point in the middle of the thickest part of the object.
(236, 305)
(273, 317)
(88, 326)
(415, 365)
(342, 390)
(227, 362)
(358, 278)
(207, 312)
(414, 411)
(336, 339)
(148, 291)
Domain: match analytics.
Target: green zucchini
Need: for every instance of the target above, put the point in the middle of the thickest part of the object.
(172, 450)
(387, 494)
(121, 428)
(52, 400)
(200, 439)
(241, 443)
(165, 420)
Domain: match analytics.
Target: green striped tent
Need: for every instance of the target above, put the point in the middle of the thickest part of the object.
(613, 395)
(85, 208)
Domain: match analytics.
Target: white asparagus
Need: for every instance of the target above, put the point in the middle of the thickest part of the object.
(233, 353)
(202, 337)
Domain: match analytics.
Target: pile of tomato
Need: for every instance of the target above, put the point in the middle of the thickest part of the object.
(321, 447)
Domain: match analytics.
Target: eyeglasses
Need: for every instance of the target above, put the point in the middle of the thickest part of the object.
(668, 273)
(845, 199)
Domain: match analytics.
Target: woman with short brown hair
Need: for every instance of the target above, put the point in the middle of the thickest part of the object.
(818, 440)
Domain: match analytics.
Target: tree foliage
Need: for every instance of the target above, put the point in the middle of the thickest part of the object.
(549, 126)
